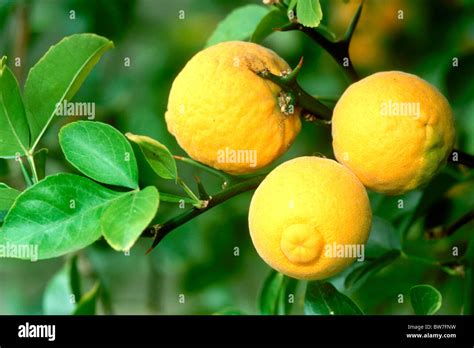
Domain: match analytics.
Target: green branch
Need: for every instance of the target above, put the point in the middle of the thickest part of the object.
(446, 231)
(158, 232)
(296, 94)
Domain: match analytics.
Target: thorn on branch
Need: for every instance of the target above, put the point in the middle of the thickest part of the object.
(439, 232)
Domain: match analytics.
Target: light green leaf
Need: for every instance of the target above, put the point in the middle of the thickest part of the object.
(61, 293)
(58, 75)
(7, 198)
(14, 132)
(101, 152)
(125, 219)
(425, 299)
(157, 155)
(88, 303)
(309, 13)
(322, 298)
(369, 268)
(238, 25)
(59, 215)
(292, 5)
(272, 20)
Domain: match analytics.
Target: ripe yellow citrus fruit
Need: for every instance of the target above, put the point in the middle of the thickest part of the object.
(226, 116)
(304, 213)
(393, 130)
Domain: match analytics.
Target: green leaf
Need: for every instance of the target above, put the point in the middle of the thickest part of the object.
(322, 298)
(292, 5)
(61, 293)
(40, 157)
(58, 75)
(274, 298)
(59, 215)
(101, 152)
(287, 296)
(382, 237)
(369, 268)
(270, 291)
(230, 311)
(14, 132)
(4, 170)
(272, 20)
(7, 198)
(309, 12)
(125, 219)
(238, 25)
(88, 303)
(459, 89)
(425, 299)
(157, 155)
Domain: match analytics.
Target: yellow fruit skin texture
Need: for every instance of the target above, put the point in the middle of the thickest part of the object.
(218, 102)
(391, 153)
(304, 206)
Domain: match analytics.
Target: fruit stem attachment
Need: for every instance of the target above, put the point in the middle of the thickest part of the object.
(446, 231)
(290, 85)
(31, 162)
(459, 157)
(338, 49)
(159, 231)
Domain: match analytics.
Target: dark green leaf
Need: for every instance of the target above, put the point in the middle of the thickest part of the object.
(370, 268)
(287, 297)
(460, 90)
(382, 238)
(277, 292)
(125, 219)
(59, 215)
(322, 298)
(4, 170)
(238, 25)
(58, 75)
(272, 20)
(270, 292)
(6, 7)
(14, 132)
(157, 155)
(88, 303)
(425, 299)
(101, 152)
(7, 198)
(309, 12)
(60, 296)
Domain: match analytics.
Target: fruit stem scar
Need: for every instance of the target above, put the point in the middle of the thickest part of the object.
(289, 84)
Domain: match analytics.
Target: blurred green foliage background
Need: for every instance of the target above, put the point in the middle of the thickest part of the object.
(198, 259)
